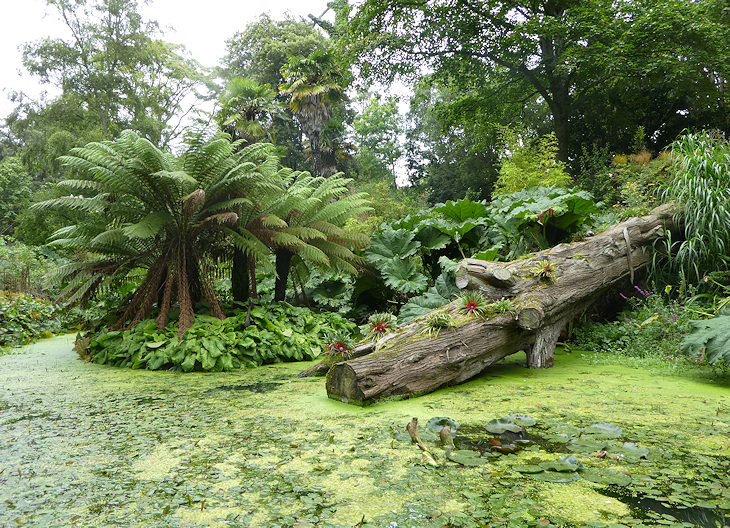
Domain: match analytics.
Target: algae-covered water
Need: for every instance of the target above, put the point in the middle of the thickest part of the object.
(84, 445)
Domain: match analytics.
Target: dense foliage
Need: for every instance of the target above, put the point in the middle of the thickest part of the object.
(528, 130)
(701, 189)
(24, 318)
(265, 334)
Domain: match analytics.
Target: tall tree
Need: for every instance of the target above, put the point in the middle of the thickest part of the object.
(114, 70)
(314, 83)
(259, 52)
(378, 128)
(554, 53)
(446, 154)
(248, 109)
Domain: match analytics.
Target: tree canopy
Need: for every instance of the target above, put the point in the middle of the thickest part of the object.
(552, 54)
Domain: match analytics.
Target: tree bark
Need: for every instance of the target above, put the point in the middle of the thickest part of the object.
(416, 361)
(239, 276)
(283, 264)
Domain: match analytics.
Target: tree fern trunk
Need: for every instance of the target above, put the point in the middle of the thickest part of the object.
(240, 288)
(283, 263)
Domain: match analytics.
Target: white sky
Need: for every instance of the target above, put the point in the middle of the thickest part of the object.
(201, 25)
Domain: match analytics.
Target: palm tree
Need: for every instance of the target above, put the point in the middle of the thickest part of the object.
(172, 217)
(248, 109)
(314, 83)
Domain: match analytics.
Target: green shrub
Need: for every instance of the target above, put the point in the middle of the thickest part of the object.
(277, 332)
(530, 163)
(650, 328)
(25, 318)
(700, 187)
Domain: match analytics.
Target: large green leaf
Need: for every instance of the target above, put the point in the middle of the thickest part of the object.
(462, 210)
(442, 293)
(389, 243)
(402, 275)
(710, 337)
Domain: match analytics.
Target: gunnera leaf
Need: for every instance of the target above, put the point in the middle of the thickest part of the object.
(500, 425)
(465, 457)
(437, 423)
(603, 431)
(390, 243)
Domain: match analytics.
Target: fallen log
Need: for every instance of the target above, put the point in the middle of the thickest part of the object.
(547, 290)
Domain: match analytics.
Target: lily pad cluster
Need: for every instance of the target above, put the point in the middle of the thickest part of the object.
(510, 435)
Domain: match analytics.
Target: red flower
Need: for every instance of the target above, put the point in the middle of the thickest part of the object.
(471, 306)
(379, 327)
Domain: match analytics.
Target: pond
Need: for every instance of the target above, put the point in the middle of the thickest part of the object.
(85, 445)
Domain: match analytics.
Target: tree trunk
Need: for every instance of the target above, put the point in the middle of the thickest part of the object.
(283, 264)
(416, 361)
(239, 276)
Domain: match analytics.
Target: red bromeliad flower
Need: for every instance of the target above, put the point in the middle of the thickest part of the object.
(379, 327)
(338, 348)
(473, 303)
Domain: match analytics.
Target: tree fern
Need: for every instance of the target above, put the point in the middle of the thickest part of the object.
(163, 214)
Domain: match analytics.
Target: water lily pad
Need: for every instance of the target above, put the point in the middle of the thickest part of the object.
(604, 431)
(436, 424)
(585, 446)
(631, 451)
(521, 420)
(606, 476)
(551, 476)
(466, 457)
(564, 463)
(501, 425)
(532, 468)
(563, 431)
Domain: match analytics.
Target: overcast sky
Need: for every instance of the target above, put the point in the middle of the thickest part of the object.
(201, 25)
